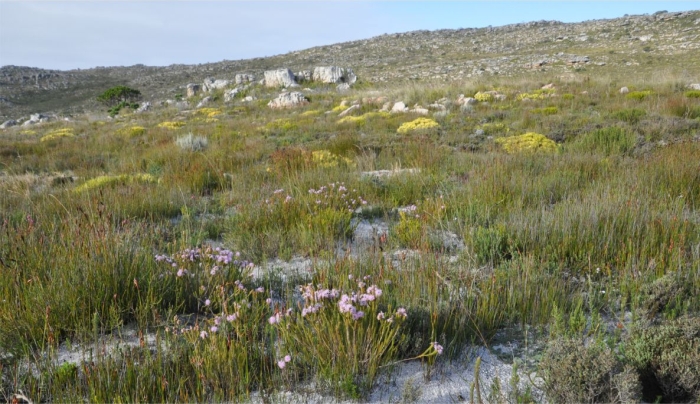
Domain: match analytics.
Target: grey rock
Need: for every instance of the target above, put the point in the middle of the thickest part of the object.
(192, 90)
(249, 98)
(280, 78)
(205, 101)
(144, 107)
(231, 94)
(349, 110)
(303, 76)
(624, 90)
(210, 85)
(8, 123)
(343, 87)
(399, 107)
(334, 75)
(694, 86)
(288, 100)
(243, 78)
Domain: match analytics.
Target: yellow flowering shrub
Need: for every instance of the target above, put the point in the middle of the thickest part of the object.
(28, 132)
(326, 159)
(58, 134)
(209, 112)
(340, 108)
(418, 125)
(171, 125)
(132, 131)
(529, 142)
(638, 95)
(313, 112)
(113, 180)
(545, 111)
(536, 95)
(283, 125)
(483, 97)
(361, 119)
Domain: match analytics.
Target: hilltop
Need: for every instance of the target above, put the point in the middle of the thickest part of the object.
(638, 44)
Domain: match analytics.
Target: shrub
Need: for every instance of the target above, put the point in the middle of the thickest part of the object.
(132, 131)
(529, 142)
(483, 97)
(638, 95)
(692, 93)
(113, 180)
(326, 159)
(545, 111)
(668, 359)
(171, 125)
(58, 134)
(192, 143)
(631, 116)
(609, 141)
(575, 373)
(667, 294)
(420, 125)
(119, 95)
(490, 245)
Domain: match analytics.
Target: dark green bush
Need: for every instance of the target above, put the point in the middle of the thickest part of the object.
(667, 357)
(118, 95)
(608, 141)
(630, 115)
(575, 373)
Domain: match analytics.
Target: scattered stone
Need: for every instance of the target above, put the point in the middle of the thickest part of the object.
(36, 118)
(205, 101)
(420, 110)
(386, 107)
(231, 94)
(144, 107)
(192, 90)
(8, 123)
(694, 86)
(249, 98)
(288, 100)
(389, 173)
(399, 107)
(624, 90)
(549, 86)
(343, 87)
(349, 110)
(280, 78)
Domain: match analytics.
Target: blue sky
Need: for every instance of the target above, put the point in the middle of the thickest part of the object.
(84, 34)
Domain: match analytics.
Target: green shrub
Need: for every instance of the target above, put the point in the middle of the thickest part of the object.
(575, 373)
(490, 244)
(638, 95)
(546, 111)
(667, 357)
(609, 141)
(668, 294)
(692, 93)
(631, 116)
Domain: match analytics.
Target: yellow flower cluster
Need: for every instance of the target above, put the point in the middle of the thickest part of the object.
(340, 108)
(28, 132)
(283, 125)
(209, 112)
(112, 180)
(363, 118)
(639, 95)
(529, 142)
(58, 134)
(483, 97)
(313, 112)
(171, 125)
(536, 95)
(326, 159)
(132, 131)
(418, 125)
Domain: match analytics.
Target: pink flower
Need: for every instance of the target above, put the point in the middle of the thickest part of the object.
(231, 318)
(207, 302)
(203, 334)
(281, 364)
(401, 312)
(260, 289)
(287, 358)
(214, 328)
(438, 348)
(380, 316)
(180, 272)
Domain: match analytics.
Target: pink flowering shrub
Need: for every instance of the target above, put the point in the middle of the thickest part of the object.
(346, 336)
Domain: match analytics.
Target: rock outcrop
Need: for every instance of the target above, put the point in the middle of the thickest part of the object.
(192, 90)
(280, 78)
(334, 75)
(8, 123)
(288, 100)
(243, 78)
(211, 84)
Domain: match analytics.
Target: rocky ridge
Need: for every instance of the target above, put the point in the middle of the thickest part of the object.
(643, 41)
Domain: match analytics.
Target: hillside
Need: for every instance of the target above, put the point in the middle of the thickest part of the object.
(641, 44)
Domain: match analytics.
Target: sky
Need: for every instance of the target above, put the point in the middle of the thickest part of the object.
(84, 34)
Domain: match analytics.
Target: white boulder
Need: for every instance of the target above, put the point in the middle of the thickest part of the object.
(288, 100)
(280, 78)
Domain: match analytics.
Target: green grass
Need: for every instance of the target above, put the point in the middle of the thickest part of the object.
(552, 241)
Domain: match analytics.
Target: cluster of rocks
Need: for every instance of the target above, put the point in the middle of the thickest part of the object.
(33, 119)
